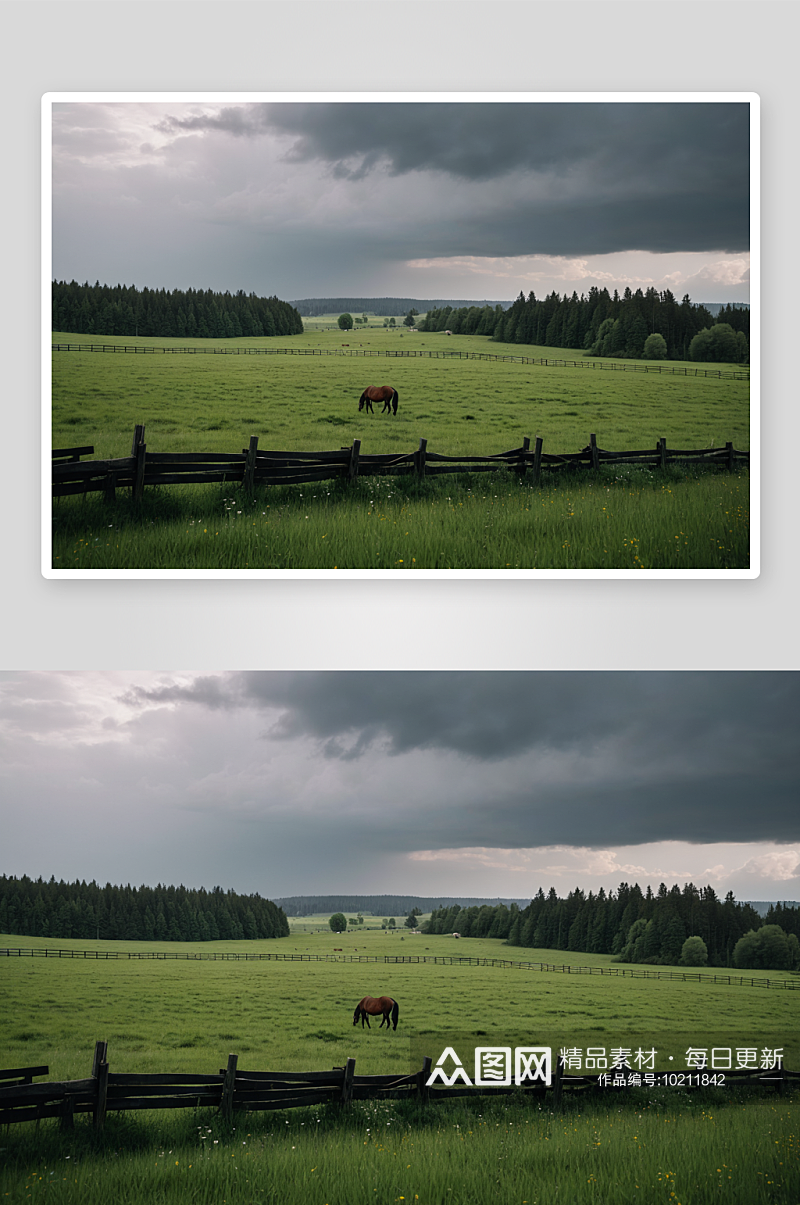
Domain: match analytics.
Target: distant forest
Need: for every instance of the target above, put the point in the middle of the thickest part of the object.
(39, 908)
(125, 310)
(602, 923)
(390, 307)
(379, 905)
(602, 324)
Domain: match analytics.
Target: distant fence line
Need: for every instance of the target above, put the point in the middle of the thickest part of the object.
(252, 467)
(625, 972)
(345, 350)
(232, 1090)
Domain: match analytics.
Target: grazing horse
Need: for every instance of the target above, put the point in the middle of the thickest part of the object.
(379, 393)
(383, 1007)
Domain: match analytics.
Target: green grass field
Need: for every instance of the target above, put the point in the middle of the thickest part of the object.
(187, 1016)
(655, 1145)
(215, 403)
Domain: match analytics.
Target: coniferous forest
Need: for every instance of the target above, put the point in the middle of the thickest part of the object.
(39, 908)
(195, 314)
(604, 324)
(636, 926)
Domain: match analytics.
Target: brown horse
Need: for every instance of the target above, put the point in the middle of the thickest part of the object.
(379, 393)
(382, 1007)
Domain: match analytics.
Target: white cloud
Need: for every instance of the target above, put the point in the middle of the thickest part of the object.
(700, 275)
(778, 866)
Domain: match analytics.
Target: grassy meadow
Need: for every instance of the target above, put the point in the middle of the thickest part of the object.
(676, 520)
(647, 1145)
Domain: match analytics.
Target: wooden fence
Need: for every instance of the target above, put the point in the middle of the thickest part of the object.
(251, 467)
(622, 972)
(736, 374)
(232, 1090)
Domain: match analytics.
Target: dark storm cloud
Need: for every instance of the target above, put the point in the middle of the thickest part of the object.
(563, 178)
(590, 759)
(483, 141)
(693, 806)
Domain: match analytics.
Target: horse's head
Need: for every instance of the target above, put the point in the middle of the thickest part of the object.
(357, 1013)
(361, 402)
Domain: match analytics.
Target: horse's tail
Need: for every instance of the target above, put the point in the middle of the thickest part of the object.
(395, 1013)
(395, 400)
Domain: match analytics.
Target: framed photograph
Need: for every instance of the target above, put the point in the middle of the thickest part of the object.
(388, 335)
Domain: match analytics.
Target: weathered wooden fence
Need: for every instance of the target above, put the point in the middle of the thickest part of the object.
(622, 972)
(251, 467)
(232, 1090)
(734, 374)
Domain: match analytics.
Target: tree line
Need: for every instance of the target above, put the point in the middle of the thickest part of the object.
(635, 926)
(39, 908)
(192, 314)
(311, 307)
(605, 324)
(377, 905)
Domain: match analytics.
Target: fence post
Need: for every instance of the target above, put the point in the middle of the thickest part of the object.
(537, 460)
(662, 446)
(559, 1071)
(228, 1085)
(419, 458)
(250, 466)
(422, 1080)
(67, 1112)
(100, 1073)
(729, 450)
(354, 451)
(526, 447)
(138, 452)
(595, 453)
(347, 1082)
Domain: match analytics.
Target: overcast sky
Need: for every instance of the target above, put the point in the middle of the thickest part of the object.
(427, 200)
(488, 784)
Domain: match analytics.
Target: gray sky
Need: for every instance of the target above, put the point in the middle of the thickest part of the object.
(423, 783)
(404, 199)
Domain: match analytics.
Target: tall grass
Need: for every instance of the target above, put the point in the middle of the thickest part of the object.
(679, 1149)
(625, 518)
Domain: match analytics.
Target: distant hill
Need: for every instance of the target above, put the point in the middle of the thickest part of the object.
(762, 907)
(381, 905)
(714, 307)
(391, 307)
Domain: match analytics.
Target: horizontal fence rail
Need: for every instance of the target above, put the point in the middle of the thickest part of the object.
(232, 1090)
(545, 362)
(253, 467)
(624, 972)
